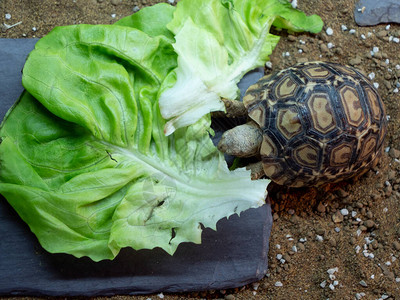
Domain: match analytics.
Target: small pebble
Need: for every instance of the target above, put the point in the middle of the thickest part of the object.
(352, 31)
(342, 193)
(337, 217)
(396, 245)
(330, 45)
(344, 211)
(382, 33)
(355, 61)
(136, 8)
(332, 270)
(359, 295)
(320, 231)
(362, 228)
(321, 207)
(319, 238)
(256, 285)
(324, 48)
(369, 224)
(323, 284)
(301, 246)
(278, 283)
(376, 85)
(268, 64)
(286, 257)
(344, 27)
(34, 28)
(371, 75)
(363, 37)
(387, 27)
(363, 283)
(394, 153)
(329, 31)
(113, 16)
(396, 40)
(7, 16)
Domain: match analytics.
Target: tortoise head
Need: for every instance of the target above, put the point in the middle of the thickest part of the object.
(242, 141)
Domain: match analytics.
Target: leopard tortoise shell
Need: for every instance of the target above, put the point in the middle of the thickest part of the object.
(320, 122)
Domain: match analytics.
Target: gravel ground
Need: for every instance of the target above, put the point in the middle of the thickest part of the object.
(340, 242)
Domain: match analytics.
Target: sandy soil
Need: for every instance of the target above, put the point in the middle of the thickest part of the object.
(315, 251)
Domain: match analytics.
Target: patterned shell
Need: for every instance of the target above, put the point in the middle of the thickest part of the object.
(322, 122)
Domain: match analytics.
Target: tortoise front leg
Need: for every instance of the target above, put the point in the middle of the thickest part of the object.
(234, 108)
(256, 169)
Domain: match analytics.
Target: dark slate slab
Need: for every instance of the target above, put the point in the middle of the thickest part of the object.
(234, 255)
(374, 12)
(13, 53)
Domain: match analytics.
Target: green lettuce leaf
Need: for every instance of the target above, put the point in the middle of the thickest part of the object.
(217, 42)
(151, 20)
(84, 159)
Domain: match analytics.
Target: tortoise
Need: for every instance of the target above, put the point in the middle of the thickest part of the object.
(310, 124)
